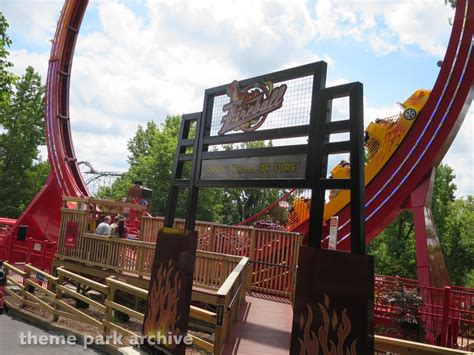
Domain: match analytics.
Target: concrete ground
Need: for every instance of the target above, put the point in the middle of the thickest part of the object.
(12, 329)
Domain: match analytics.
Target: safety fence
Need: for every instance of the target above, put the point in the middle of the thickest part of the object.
(38, 252)
(390, 346)
(273, 253)
(136, 258)
(5, 241)
(35, 289)
(446, 314)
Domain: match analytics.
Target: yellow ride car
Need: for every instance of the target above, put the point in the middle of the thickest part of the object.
(382, 138)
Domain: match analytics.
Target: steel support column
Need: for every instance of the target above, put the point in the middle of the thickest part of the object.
(429, 256)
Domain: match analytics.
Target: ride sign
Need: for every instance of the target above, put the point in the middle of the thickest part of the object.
(249, 107)
(72, 232)
(267, 167)
(246, 127)
(273, 131)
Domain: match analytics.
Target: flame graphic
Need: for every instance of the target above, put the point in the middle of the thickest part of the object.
(313, 344)
(163, 304)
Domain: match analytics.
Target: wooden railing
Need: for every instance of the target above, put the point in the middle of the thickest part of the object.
(54, 292)
(111, 305)
(23, 291)
(386, 345)
(273, 253)
(211, 270)
(150, 227)
(229, 297)
(136, 258)
(71, 312)
(114, 285)
(112, 253)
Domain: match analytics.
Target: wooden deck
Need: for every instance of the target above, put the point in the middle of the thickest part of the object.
(263, 327)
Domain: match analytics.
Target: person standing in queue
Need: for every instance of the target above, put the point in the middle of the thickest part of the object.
(104, 227)
(121, 230)
(113, 227)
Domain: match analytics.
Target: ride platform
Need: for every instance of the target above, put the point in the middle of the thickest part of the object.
(263, 326)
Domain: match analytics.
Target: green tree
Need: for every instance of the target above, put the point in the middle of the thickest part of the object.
(452, 3)
(141, 144)
(152, 154)
(151, 159)
(394, 249)
(23, 131)
(241, 204)
(7, 79)
(470, 279)
(443, 196)
(458, 244)
(454, 221)
(37, 175)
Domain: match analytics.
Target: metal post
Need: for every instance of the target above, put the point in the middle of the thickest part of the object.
(319, 171)
(445, 323)
(356, 113)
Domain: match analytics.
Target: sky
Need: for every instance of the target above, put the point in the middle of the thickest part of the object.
(139, 60)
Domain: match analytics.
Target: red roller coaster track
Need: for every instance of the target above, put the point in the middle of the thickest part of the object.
(404, 182)
(42, 216)
(399, 185)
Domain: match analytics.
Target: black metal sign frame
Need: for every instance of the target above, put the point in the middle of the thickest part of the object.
(318, 71)
(317, 149)
(250, 119)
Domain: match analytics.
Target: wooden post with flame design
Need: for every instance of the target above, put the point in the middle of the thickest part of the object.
(333, 306)
(169, 295)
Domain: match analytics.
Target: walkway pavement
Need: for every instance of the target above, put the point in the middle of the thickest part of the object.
(10, 341)
(263, 327)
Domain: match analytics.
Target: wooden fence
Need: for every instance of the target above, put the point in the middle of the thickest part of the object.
(386, 345)
(110, 252)
(273, 253)
(21, 287)
(55, 291)
(34, 288)
(136, 258)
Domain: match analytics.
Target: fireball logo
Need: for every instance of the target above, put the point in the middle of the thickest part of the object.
(249, 108)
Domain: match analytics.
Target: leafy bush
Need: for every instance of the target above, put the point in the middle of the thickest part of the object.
(405, 305)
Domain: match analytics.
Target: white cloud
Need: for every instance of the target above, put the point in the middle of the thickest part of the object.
(387, 26)
(21, 59)
(135, 66)
(461, 155)
(129, 70)
(35, 20)
(381, 43)
(101, 150)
